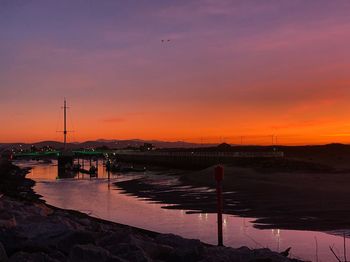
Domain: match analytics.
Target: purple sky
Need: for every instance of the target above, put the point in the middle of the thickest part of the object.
(231, 68)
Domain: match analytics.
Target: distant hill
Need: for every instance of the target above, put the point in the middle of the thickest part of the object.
(307, 151)
(115, 144)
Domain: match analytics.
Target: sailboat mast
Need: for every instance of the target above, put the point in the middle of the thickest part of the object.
(65, 124)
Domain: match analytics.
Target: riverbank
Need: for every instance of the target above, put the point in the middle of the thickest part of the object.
(34, 231)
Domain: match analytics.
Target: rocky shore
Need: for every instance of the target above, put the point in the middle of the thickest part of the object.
(31, 230)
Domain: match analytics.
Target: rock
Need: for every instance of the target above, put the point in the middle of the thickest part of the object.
(265, 254)
(227, 254)
(118, 236)
(44, 236)
(59, 256)
(177, 241)
(84, 221)
(43, 209)
(147, 246)
(3, 255)
(11, 240)
(43, 229)
(125, 245)
(156, 251)
(31, 257)
(184, 249)
(87, 253)
(129, 252)
(261, 260)
(8, 222)
(72, 238)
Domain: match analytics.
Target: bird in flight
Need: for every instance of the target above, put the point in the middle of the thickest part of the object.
(165, 40)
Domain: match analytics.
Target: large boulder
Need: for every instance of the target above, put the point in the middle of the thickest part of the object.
(228, 254)
(3, 255)
(114, 238)
(154, 250)
(184, 249)
(72, 238)
(124, 244)
(11, 240)
(91, 253)
(42, 229)
(130, 252)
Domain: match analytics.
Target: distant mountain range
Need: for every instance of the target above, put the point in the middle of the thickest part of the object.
(105, 143)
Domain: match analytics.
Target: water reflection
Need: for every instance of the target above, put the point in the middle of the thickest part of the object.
(101, 199)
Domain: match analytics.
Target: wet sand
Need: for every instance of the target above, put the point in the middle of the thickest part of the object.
(287, 200)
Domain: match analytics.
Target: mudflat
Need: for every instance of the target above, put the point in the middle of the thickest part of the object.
(283, 193)
(290, 200)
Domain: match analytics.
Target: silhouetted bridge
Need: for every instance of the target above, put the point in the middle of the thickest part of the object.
(192, 159)
(55, 154)
(162, 158)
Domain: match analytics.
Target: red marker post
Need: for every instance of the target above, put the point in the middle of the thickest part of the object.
(219, 176)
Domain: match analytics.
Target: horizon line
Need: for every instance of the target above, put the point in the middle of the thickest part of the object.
(179, 141)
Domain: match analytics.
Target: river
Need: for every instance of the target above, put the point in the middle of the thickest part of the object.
(102, 199)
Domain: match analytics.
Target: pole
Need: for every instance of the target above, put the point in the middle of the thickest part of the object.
(65, 124)
(108, 167)
(219, 175)
(97, 167)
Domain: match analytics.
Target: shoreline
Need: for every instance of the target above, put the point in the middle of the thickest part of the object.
(32, 230)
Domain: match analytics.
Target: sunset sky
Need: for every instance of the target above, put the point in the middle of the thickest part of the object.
(230, 69)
